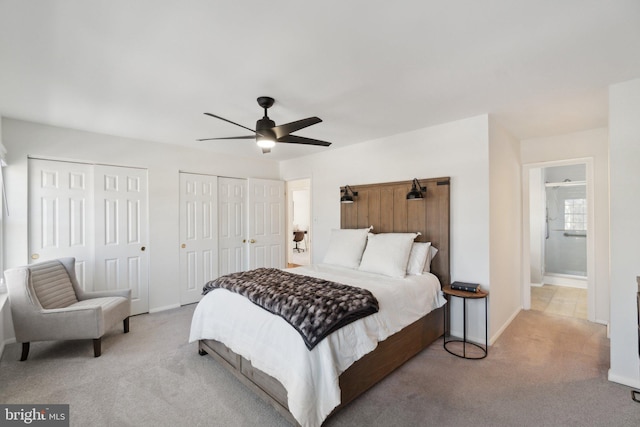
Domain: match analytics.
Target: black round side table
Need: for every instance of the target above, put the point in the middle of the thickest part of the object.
(447, 311)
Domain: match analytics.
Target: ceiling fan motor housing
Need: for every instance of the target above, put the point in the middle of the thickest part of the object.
(264, 127)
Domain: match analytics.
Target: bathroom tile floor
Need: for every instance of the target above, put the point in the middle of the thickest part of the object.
(560, 300)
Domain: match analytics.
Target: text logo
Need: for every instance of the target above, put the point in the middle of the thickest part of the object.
(34, 415)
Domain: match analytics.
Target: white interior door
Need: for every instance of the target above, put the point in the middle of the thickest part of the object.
(61, 214)
(198, 234)
(121, 255)
(232, 202)
(266, 231)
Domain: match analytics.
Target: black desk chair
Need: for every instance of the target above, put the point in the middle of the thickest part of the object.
(298, 236)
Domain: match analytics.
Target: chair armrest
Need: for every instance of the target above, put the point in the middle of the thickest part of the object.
(61, 324)
(75, 310)
(126, 293)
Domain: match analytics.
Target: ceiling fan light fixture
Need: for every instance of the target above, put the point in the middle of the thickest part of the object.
(265, 142)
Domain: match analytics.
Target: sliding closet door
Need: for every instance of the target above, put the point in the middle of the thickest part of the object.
(198, 234)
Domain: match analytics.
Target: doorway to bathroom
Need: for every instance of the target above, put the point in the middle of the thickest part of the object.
(560, 228)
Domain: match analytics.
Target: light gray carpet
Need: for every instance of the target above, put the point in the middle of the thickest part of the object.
(543, 371)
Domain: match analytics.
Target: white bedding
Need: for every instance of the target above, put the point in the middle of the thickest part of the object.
(276, 348)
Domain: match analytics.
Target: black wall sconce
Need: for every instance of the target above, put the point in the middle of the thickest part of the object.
(347, 198)
(416, 191)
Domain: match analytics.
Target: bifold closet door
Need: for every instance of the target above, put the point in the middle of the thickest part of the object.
(232, 205)
(266, 232)
(97, 214)
(121, 253)
(61, 215)
(198, 234)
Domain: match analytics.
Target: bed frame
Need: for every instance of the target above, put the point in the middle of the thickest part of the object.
(385, 207)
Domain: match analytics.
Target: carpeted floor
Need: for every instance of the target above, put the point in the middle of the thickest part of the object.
(543, 371)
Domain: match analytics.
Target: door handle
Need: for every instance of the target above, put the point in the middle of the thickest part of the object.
(143, 249)
(252, 241)
(184, 245)
(244, 240)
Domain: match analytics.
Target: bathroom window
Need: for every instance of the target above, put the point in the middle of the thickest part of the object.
(575, 214)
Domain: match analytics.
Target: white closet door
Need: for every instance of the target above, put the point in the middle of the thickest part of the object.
(61, 214)
(97, 214)
(121, 254)
(266, 223)
(198, 234)
(232, 202)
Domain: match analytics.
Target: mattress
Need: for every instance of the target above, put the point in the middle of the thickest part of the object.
(275, 347)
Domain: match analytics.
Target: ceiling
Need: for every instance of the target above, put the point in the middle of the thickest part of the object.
(149, 69)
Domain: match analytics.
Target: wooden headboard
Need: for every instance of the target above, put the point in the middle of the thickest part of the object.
(386, 208)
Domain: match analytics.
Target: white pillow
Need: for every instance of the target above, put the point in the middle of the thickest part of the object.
(418, 258)
(346, 247)
(387, 253)
(427, 265)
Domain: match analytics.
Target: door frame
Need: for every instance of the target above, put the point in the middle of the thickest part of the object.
(591, 230)
(291, 186)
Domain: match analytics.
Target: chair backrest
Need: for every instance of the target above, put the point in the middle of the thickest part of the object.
(52, 284)
(298, 236)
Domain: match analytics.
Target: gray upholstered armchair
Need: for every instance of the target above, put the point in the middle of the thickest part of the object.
(47, 303)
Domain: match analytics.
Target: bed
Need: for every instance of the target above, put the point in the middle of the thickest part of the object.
(309, 385)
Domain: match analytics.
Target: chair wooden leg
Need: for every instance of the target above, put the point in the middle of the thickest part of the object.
(126, 325)
(97, 347)
(25, 351)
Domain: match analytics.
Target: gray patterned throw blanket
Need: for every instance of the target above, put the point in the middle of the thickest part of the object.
(314, 307)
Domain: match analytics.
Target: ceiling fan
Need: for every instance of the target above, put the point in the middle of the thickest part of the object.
(267, 134)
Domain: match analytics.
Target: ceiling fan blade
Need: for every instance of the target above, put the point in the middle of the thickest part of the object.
(294, 139)
(266, 150)
(288, 128)
(228, 137)
(229, 121)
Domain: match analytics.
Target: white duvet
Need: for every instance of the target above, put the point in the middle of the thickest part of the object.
(276, 348)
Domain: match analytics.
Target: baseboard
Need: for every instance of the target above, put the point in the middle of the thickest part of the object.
(566, 281)
(165, 308)
(630, 382)
(495, 336)
(4, 343)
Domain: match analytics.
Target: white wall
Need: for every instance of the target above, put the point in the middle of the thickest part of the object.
(536, 224)
(457, 149)
(579, 145)
(163, 162)
(301, 209)
(624, 143)
(505, 207)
